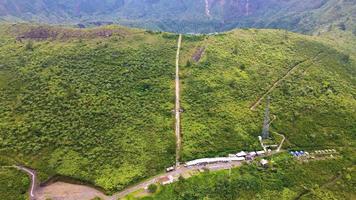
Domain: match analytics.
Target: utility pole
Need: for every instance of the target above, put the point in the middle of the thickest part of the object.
(266, 122)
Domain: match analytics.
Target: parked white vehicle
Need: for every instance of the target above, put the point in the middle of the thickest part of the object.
(169, 169)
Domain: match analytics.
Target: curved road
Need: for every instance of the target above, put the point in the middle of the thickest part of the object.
(66, 191)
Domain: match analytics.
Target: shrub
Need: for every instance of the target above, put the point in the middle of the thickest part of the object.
(152, 188)
(29, 46)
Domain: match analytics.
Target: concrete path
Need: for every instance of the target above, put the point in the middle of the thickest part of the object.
(177, 104)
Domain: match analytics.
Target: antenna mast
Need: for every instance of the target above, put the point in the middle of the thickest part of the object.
(265, 130)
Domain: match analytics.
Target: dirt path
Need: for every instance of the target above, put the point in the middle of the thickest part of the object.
(33, 178)
(283, 137)
(177, 104)
(258, 102)
(282, 142)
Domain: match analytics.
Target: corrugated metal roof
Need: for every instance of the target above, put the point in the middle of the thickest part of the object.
(214, 160)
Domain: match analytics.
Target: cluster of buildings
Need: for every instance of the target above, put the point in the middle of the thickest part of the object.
(249, 155)
(312, 155)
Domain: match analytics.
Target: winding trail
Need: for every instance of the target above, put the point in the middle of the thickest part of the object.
(283, 137)
(32, 175)
(275, 84)
(177, 104)
(281, 144)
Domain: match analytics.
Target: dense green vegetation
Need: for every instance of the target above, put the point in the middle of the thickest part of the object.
(95, 105)
(314, 105)
(13, 183)
(285, 179)
(97, 110)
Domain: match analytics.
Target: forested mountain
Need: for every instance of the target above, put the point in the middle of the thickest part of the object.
(95, 104)
(194, 16)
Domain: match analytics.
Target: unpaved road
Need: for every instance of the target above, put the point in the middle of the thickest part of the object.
(67, 191)
(177, 104)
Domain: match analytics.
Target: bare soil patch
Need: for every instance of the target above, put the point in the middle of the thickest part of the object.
(55, 33)
(198, 54)
(67, 191)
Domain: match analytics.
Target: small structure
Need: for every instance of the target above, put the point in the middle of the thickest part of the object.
(264, 163)
(241, 154)
(251, 155)
(260, 153)
(166, 180)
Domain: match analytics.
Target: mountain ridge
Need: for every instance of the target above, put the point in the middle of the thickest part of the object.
(196, 16)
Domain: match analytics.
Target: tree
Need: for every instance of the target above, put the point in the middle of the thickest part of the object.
(152, 188)
(29, 46)
(288, 194)
(342, 26)
(286, 35)
(188, 64)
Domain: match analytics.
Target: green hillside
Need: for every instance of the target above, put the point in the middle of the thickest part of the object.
(314, 106)
(96, 104)
(86, 106)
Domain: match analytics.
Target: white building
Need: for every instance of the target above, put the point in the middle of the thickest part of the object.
(213, 160)
(241, 154)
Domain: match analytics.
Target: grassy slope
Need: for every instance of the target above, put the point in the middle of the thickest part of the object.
(314, 105)
(97, 110)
